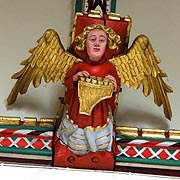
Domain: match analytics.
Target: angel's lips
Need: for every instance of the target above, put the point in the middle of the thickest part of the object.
(96, 49)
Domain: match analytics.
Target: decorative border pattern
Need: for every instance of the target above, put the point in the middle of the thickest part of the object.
(34, 138)
(27, 121)
(148, 146)
(26, 140)
(147, 133)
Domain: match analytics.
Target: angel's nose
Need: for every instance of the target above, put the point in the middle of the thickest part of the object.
(96, 44)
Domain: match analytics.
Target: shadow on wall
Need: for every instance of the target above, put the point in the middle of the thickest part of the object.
(142, 119)
(34, 105)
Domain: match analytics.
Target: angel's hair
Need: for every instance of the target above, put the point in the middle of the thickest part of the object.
(113, 39)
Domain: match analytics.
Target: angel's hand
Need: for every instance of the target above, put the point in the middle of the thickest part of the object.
(80, 74)
(113, 80)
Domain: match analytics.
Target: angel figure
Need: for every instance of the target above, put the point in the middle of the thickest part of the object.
(86, 135)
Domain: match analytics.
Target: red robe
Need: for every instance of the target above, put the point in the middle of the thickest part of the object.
(99, 114)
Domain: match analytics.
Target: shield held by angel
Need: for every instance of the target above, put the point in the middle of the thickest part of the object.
(93, 70)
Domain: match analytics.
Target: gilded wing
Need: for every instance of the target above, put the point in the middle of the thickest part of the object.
(139, 66)
(48, 59)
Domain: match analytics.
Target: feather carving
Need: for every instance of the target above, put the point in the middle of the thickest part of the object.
(48, 59)
(139, 66)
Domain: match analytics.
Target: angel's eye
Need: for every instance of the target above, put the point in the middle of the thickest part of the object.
(102, 40)
(92, 39)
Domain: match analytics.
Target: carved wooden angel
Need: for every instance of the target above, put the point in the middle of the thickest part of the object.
(134, 67)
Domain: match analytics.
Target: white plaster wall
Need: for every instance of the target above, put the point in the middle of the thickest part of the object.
(52, 173)
(160, 21)
(23, 22)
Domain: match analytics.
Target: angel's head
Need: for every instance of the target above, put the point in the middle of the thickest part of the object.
(95, 38)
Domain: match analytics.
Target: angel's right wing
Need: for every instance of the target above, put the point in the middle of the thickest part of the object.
(139, 66)
(48, 59)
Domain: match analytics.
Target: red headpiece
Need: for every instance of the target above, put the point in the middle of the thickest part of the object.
(120, 25)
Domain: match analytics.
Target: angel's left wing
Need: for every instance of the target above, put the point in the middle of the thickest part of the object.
(139, 66)
(48, 59)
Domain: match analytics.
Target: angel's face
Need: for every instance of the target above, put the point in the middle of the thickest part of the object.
(96, 44)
